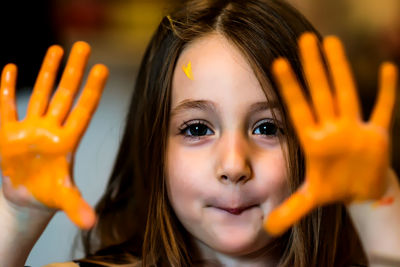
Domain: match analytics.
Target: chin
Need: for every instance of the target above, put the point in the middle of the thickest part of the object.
(238, 242)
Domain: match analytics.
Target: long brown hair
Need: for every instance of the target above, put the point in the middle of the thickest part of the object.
(135, 217)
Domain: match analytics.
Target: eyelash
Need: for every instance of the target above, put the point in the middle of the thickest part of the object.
(186, 126)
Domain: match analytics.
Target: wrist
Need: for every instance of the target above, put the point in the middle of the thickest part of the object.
(377, 221)
(24, 214)
(21, 227)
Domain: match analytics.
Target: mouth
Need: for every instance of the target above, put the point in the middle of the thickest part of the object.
(236, 211)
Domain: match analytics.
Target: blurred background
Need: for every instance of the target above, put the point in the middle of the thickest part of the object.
(119, 31)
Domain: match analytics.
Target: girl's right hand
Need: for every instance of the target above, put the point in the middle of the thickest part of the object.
(36, 154)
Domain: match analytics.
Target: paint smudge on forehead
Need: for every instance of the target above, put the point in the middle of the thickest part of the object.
(188, 70)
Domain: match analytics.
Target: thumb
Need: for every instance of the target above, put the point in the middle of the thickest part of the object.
(290, 211)
(77, 209)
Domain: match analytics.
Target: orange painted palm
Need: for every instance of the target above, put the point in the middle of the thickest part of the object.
(37, 152)
(347, 159)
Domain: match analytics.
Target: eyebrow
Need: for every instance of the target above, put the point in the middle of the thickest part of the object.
(206, 105)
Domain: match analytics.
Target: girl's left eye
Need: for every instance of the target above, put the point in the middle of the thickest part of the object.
(268, 128)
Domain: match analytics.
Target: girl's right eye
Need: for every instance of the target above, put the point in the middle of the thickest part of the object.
(195, 130)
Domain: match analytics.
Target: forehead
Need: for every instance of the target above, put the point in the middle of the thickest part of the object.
(219, 72)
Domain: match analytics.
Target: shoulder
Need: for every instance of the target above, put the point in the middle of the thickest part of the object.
(119, 260)
(64, 264)
(92, 263)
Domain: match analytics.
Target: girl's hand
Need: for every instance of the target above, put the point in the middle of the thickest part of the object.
(37, 153)
(347, 159)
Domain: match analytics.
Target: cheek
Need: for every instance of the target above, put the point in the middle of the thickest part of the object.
(185, 175)
(273, 177)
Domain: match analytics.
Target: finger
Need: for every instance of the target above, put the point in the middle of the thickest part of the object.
(290, 212)
(298, 107)
(77, 209)
(80, 116)
(45, 81)
(347, 99)
(70, 82)
(8, 111)
(315, 72)
(382, 112)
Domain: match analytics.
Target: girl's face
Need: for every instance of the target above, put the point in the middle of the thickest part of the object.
(225, 165)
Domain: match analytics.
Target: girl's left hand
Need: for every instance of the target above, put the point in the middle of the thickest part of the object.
(347, 159)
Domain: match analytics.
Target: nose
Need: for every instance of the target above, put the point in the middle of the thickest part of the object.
(233, 159)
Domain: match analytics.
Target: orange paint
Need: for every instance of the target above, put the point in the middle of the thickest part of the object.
(346, 158)
(36, 153)
(188, 71)
(386, 201)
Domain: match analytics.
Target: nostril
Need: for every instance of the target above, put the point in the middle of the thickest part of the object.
(243, 178)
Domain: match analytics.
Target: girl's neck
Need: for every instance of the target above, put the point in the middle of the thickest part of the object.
(265, 257)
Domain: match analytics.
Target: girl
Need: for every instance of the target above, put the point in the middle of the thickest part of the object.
(211, 149)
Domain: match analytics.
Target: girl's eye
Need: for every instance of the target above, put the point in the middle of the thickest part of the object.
(195, 129)
(268, 128)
